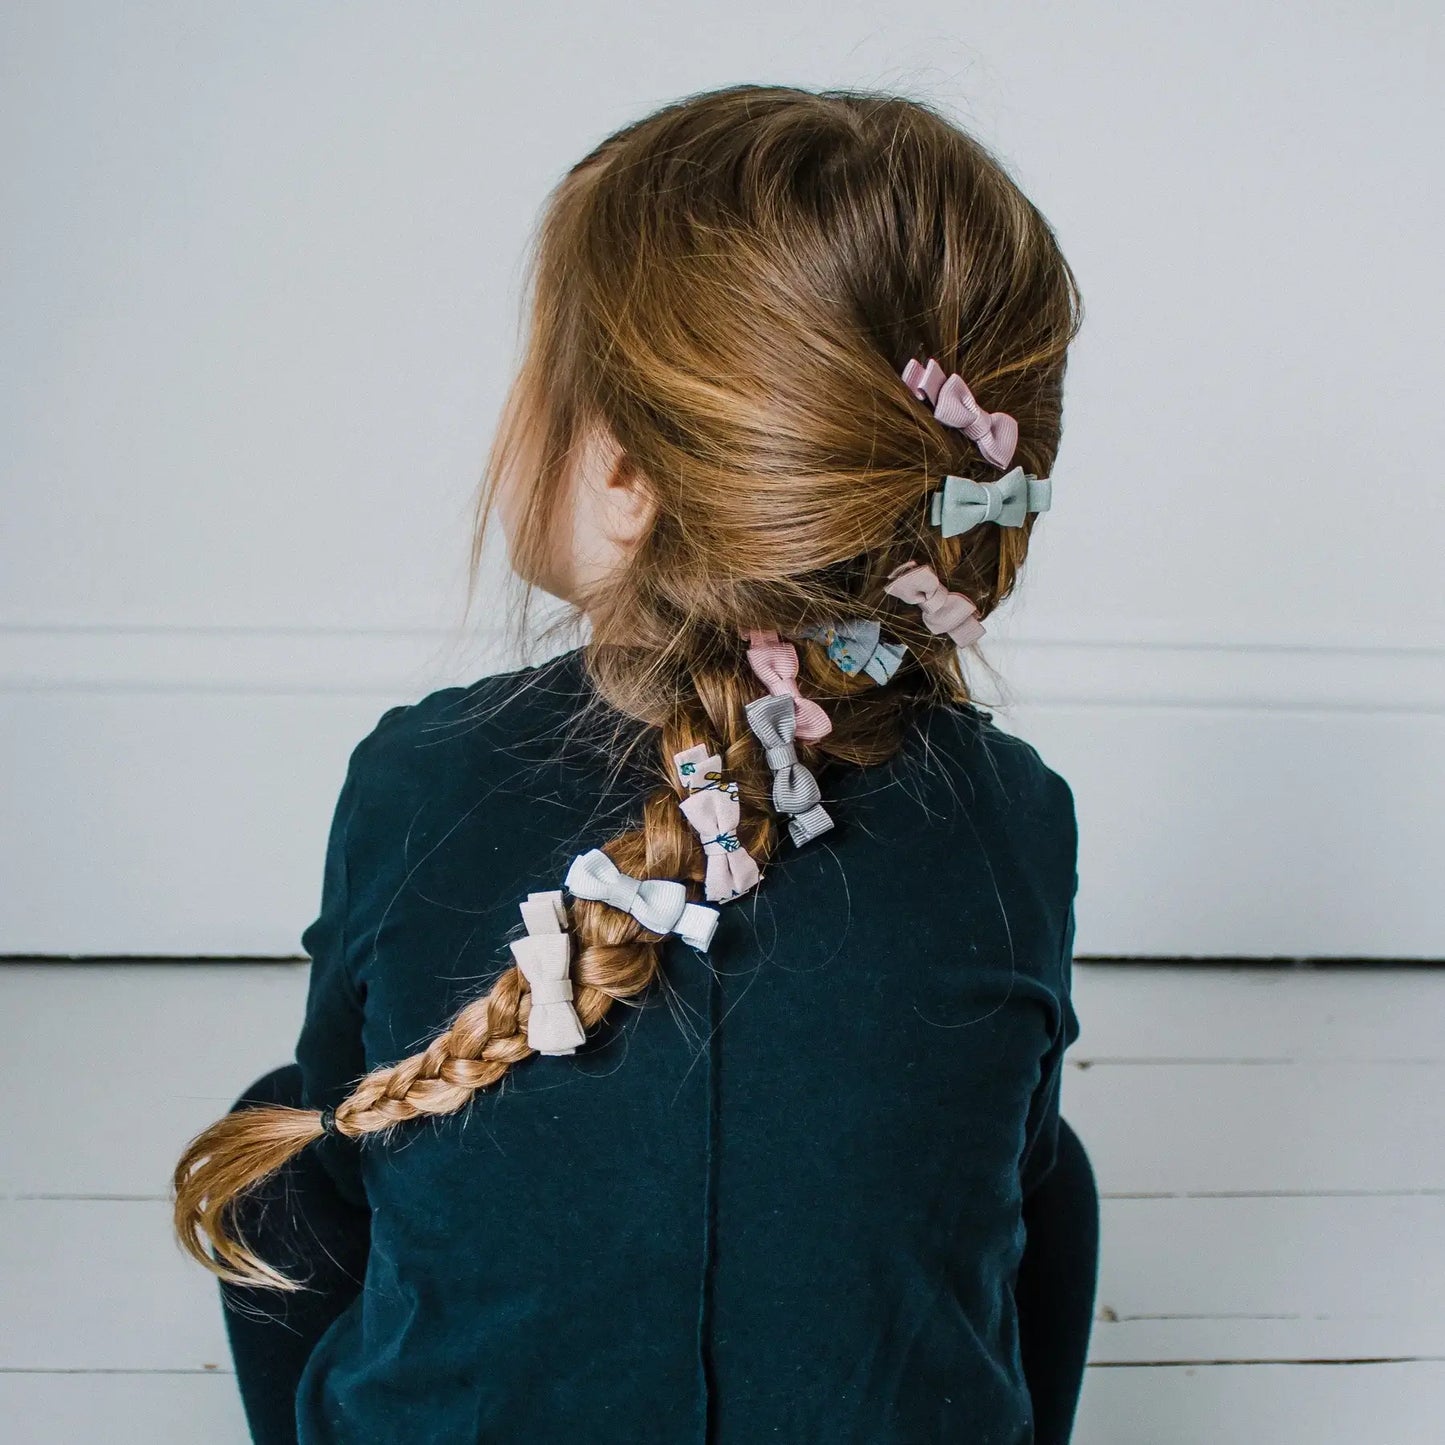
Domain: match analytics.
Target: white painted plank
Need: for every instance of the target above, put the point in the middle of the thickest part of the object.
(122, 1409)
(98, 1284)
(1371, 1404)
(158, 823)
(1210, 1012)
(1238, 833)
(153, 1053)
(1383, 1404)
(1184, 1128)
(1336, 1278)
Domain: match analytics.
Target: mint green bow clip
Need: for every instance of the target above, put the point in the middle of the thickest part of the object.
(855, 646)
(961, 504)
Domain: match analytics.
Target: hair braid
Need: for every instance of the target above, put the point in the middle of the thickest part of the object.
(616, 958)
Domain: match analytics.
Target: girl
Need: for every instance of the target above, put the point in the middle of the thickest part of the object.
(682, 1053)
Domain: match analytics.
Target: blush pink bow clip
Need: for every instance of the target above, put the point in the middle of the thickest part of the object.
(711, 806)
(943, 611)
(995, 433)
(775, 661)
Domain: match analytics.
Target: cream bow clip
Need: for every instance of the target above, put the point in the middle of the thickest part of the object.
(659, 904)
(961, 504)
(545, 959)
(712, 808)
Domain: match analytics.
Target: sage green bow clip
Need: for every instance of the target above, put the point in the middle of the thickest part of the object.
(961, 504)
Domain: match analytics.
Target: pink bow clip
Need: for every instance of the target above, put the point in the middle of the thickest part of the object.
(943, 611)
(995, 433)
(713, 810)
(776, 663)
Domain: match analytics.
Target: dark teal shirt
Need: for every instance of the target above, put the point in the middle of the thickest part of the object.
(778, 1199)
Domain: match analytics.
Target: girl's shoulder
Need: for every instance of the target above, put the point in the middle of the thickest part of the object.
(961, 787)
(499, 737)
(503, 715)
(499, 703)
(961, 744)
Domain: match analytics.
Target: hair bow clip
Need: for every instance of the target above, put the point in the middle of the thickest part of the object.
(944, 612)
(961, 504)
(855, 645)
(658, 904)
(775, 661)
(712, 807)
(795, 790)
(544, 957)
(995, 433)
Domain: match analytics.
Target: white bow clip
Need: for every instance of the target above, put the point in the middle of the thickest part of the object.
(656, 903)
(545, 959)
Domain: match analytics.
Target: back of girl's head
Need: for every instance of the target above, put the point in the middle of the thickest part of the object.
(729, 290)
(730, 287)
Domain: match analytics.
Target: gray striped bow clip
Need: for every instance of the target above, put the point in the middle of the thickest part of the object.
(795, 789)
(656, 903)
(961, 504)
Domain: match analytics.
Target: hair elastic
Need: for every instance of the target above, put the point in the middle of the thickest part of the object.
(995, 433)
(328, 1121)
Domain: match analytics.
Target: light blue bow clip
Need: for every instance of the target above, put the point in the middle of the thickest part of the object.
(961, 504)
(855, 646)
(659, 904)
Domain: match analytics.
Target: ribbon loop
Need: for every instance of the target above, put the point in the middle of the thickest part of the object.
(658, 904)
(961, 504)
(795, 789)
(544, 957)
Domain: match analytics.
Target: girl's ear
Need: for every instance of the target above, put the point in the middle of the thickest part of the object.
(627, 500)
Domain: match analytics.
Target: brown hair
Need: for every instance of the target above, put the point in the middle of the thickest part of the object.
(731, 287)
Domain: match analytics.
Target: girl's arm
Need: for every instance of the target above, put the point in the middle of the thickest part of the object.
(330, 1048)
(1043, 1121)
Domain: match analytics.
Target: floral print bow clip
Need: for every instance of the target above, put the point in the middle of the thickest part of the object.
(712, 807)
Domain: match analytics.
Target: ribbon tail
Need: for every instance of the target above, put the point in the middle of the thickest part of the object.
(697, 925)
(718, 885)
(744, 871)
(812, 721)
(554, 1028)
(804, 827)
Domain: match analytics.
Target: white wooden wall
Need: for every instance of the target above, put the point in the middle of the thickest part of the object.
(258, 314)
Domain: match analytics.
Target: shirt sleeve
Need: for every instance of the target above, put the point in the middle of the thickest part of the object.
(1043, 1122)
(330, 1049)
